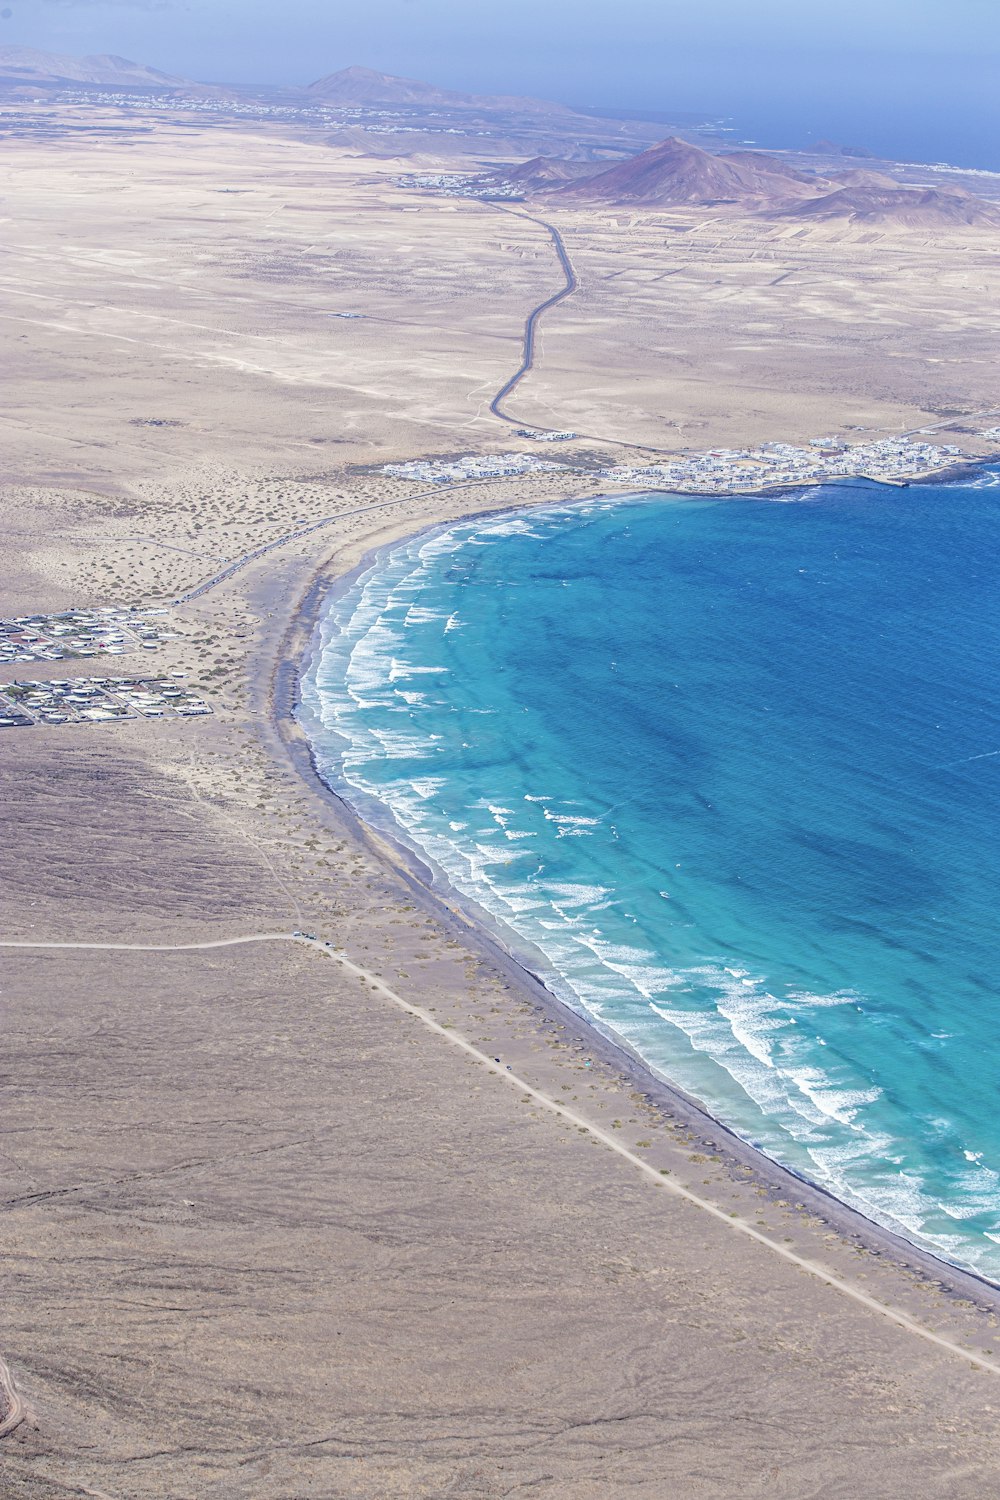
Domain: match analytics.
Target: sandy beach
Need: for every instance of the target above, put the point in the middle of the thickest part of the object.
(276, 1225)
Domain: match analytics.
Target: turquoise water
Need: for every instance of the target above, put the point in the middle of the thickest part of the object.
(733, 768)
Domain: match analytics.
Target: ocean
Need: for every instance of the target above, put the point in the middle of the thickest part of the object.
(729, 771)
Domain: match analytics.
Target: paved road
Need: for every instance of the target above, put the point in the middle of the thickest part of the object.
(664, 1184)
(976, 416)
(531, 322)
(496, 407)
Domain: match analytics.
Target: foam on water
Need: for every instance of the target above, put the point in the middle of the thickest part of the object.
(720, 765)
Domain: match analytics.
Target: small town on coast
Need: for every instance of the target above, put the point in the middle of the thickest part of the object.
(721, 471)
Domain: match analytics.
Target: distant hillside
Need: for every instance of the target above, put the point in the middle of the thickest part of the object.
(767, 168)
(26, 65)
(830, 148)
(862, 177)
(363, 86)
(546, 171)
(873, 203)
(675, 172)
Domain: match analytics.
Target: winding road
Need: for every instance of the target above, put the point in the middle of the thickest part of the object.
(16, 1410)
(531, 322)
(496, 407)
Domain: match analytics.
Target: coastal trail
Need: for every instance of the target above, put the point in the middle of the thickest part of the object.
(16, 1410)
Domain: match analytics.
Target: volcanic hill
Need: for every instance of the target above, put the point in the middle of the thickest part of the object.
(546, 172)
(675, 172)
(830, 148)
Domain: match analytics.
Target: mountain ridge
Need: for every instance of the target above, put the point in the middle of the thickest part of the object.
(874, 203)
(28, 65)
(361, 86)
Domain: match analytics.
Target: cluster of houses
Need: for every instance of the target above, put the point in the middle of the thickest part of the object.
(718, 471)
(488, 185)
(379, 120)
(227, 105)
(472, 466)
(98, 700)
(736, 470)
(81, 633)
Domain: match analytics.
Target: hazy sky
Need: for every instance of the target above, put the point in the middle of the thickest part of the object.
(885, 72)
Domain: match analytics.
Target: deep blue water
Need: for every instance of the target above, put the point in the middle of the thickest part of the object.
(733, 767)
(964, 135)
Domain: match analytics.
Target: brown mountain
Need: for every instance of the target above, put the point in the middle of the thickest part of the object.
(546, 171)
(872, 203)
(26, 65)
(363, 86)
(862, 177)
(675, 172)
(770, 166)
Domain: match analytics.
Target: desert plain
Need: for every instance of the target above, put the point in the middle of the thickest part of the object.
(372, 1216)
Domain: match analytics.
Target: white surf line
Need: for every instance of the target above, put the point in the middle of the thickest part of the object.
(737, 1225)
(236, 564)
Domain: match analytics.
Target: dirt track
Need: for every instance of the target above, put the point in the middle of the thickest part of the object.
(738, 1225)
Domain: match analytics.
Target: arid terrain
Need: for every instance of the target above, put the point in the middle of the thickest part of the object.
(270, 1229)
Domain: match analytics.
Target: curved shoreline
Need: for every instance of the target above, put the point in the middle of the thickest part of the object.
(466, 922)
